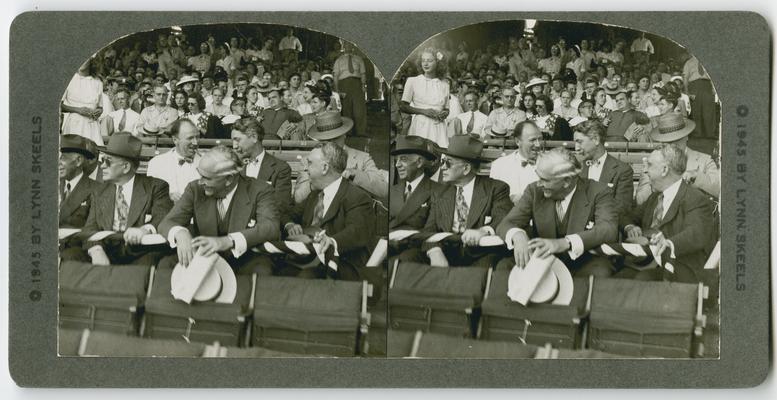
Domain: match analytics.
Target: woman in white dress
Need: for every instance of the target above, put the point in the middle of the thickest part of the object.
(426, 98)
(81, 104)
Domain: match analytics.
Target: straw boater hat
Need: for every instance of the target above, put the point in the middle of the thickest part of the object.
(466, 147)
(75, 144)
(576, 121)
(536, 81)
(498, 131)
(186, 79)
(672, 126)
(330, 125)
(412, 145)
(123, 145)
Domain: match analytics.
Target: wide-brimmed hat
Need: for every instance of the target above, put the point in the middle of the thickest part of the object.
(186, 79)
(205, 279)
(123, 145)
(536, 81)
(542, 280)
(613, 91)
(412, 145)
(576, 121)
(75, 144)
(672, 126)
(467, 147)
(499, 131)
(330, 125)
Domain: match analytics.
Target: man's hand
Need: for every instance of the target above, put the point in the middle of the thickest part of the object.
(294, 229)
(661, 242)
(183, 242)
(98, 256)
(437, 258)
(633, 232)
(521, 249)
(132, 236)
(471, 237)
(546, 247)
(325, 241)
(207, 245)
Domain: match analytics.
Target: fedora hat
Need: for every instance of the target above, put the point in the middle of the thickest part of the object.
(75, 144)
(672, 126)
(412, 145)
(330, 125)
(205, 279)
(542, 280)
(536, 81)
(466, 147)
(123, 145)
(498, 131)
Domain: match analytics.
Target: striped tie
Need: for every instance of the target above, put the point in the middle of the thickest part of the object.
(122, 210)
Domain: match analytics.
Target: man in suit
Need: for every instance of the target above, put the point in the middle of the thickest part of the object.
(75, 187)
(675, 216)
(600, 166)
(360, 168)
(247, 136)
(127, 203)
(410, 196)
(471, 205)
(566, 215)
(335, 214)
(701, 171)
(178, 166)
(231, 213)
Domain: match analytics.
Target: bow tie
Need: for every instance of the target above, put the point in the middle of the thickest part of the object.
(592, 163)
(525, 162)
(181, 161)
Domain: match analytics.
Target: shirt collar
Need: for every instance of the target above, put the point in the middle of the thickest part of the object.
(600, 160)
(670, 192)
(415, 182)
(331, 190)
(568, 198)
(127, 187)
(228, 198)
(73, 182)
(259, 158)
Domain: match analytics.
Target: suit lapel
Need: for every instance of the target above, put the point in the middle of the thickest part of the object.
(544, 215)
(138, 202)
(76, 197)
(267, 168)
(397, 203)
(672, 211)
(419, 196)
(579, 208)
(240, 208)
(108, 205)
(608, 170)
(335, 204)
(447, 205)
(480, 200)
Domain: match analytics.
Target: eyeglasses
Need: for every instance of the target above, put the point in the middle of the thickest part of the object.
(107, 161)
(448, 163)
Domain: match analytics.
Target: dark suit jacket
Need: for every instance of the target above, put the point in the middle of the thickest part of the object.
(490, 198)
(215, 129)
(150, 197)
(619, 177)
(277, 173)
(252, 212)
(74, 210)
(348, 220)
(592, 204)
(413, 213)
(686, 223)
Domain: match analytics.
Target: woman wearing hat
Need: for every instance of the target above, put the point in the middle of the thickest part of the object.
(426, 98)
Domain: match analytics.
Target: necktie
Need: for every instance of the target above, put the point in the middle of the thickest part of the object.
(559, 211)
(658, 212)
(462, 209)
(222, 208)
(471, 123)
(123, 120)
(318, 211)
(350, 63)
(122, 209)
(68, 188)
(408, 190)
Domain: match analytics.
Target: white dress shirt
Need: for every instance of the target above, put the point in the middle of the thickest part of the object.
(415, 182)
(126, 190)
(595, 169)
(252, 168)
(131, 123)
(509, 170)
(479, 124)
(669, 194)
(73, 182)
(167, 168)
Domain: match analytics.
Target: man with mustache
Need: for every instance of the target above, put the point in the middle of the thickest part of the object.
(178, 166)
(517, 169)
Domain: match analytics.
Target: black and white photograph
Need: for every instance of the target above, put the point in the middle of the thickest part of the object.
(223, 192)
(554, 194)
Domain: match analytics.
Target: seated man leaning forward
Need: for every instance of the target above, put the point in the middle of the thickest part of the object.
(471, 205)
(336, 213)
(231, 214)
(565, 215)
(360, 169)
(127, 203)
